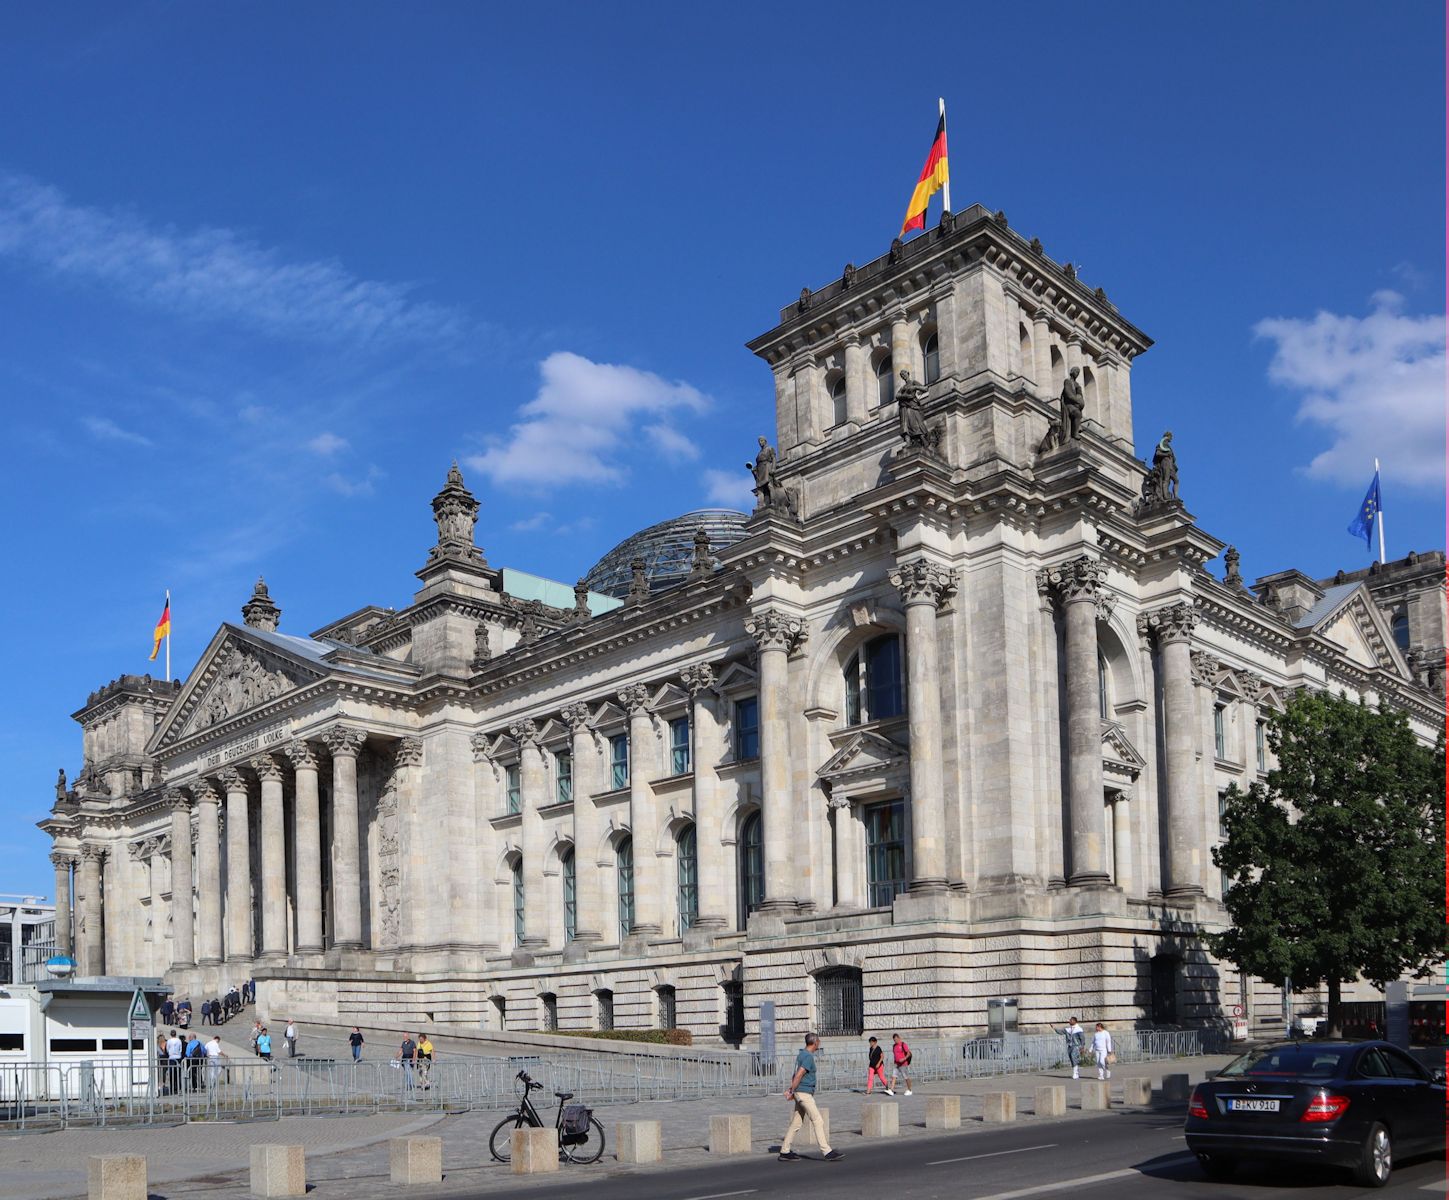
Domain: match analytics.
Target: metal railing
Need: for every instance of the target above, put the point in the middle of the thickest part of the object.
(37, 1096)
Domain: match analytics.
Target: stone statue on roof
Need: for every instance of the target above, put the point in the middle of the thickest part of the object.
(1073, 405)
(910, 398)
(60, 784)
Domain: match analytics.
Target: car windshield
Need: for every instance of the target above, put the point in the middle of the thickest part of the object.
(1287, 1062)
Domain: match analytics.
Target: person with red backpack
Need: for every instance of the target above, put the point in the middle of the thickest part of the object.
(901, 1054)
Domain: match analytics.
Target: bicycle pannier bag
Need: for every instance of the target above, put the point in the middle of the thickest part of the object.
(574, 1128)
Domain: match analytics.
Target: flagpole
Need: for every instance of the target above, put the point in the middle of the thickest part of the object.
(945, 187)
(168, 635)
(1379, 516)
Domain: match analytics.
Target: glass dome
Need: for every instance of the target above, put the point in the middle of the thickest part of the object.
(667, 550)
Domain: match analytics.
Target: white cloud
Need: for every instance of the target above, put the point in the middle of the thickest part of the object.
(213, 274)
(581, 425)
(107, 430)
(361, 485)
(529, 524)
(733, 489)
(1374, 383)
(327, 444)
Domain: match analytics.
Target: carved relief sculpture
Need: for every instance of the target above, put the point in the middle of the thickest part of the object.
(242, 681)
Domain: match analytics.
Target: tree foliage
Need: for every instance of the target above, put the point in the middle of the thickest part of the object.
(1333, 862)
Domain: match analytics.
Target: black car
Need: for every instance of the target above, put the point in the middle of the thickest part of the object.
(1344, 1104)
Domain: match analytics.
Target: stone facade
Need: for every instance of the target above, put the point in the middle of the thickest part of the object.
(947, 721)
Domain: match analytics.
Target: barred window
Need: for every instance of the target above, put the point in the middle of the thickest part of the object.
(840, 1002)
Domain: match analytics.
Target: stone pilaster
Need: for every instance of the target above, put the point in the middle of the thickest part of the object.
(487, 925)
(1078, 586)
(588, 892)
(307, 847)
(903, 351)
(345, 743)
(273, 835)
(643, 821)
(1123, 874)
(183, 935)
(92, 910)
(1172, 626)
(208, 873)
(239, 947)
(533, 784)
(705, 751)
(1041, 352)
(776, 634)
(62, 864)
(847, 869)
(857, 380)
(412, 892)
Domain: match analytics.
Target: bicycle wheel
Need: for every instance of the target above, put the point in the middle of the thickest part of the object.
(500, 1142)
(591, 1149)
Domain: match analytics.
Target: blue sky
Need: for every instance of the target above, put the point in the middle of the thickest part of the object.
(266, 269)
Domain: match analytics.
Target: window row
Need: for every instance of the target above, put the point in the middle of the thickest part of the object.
(884, 370)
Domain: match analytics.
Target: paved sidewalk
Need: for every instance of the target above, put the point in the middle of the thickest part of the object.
(347, 1157)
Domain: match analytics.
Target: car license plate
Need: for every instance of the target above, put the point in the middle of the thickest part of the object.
(1241, 1105)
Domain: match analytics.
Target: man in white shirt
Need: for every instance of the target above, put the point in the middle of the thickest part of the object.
(213, 1061)
(291, 1037)
(175, 1049)
(1101, 1048)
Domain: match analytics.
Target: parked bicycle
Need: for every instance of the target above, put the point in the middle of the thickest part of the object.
(580, 1136)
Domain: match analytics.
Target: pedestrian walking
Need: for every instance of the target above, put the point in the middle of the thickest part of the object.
(1103, 1052)
(206, 1012)
(264, 1045)
(875, 1067)
(802, 1092)
(291, 1038)
(256, 1033)
(407, 1056)
(175, 1050)
(168, 1010)
(425, 1061)
(1076, 1038)
(195, 1060)
(356, 1041)
(214, 1056)
(901, 1064)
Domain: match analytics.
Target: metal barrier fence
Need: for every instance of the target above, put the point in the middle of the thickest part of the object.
(35, 1096)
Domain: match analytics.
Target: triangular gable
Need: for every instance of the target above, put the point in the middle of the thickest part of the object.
(235, 674)
(1357, 625)
(865, 753)
(1120, 756)
(736, 675)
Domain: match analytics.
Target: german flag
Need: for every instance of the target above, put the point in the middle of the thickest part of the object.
(934, 176)
(163, 628)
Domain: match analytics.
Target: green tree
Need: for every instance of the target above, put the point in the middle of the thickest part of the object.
(1333, 863)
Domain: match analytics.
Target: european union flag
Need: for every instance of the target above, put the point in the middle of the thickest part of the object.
(1368, 513)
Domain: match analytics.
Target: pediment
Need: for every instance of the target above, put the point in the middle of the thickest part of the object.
(1360, 630)
(864, 754)
(235, 675)
(1119, 755)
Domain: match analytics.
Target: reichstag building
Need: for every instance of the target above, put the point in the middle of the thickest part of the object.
(943, 721)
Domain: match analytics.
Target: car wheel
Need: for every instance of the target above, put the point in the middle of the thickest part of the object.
(1215, 1166)
(1376, 1160)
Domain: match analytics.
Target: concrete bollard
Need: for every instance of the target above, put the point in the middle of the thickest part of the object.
(729, 1133)
(534, 1151)
(1095, 1095)
(1176, 1087)
(278, 1171)
(943, 1112)
(1051, 1101)
(416, 1160)
(116, 1177)
(998, 1107)
(880, 1119)
(1136, 1091)
(640, 1142)
(806, 1136)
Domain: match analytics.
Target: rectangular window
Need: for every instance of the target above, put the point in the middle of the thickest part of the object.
(747, 729)
(570, 897)
(563, 773)
(687, 848)
(1260, 739)
(668, 1014)
(883, 678)
(72, 1045)
(885, 850)
(625, 872)
(518, 903)
(606, 1009)
(12, 1041)
(513, 788)
(120, 1044)
(619, 761)
(550, 1012)
(1220, 732)
(679, 746)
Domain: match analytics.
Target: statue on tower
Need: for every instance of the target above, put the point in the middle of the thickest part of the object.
(910, 398)
(1073, 406)
(770, 494)
(1159, 488)
(456, 512)
(60, 785)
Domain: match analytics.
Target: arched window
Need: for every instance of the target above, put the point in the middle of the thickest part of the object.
(688, 856)
(873, 682)
(570, 895)
(837, 401)
(752, 866)
(518, 901)
(885, 380)
(1400, 628)
(931, 352)
(624, 857)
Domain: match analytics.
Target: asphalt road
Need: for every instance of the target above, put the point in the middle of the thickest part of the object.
(1117, 1157)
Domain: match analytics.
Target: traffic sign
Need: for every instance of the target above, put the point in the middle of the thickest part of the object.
(140, 1010)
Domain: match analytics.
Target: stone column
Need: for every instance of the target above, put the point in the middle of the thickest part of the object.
(903, 353)
(208, 873)
(238, 867)
(1124, 876)
(274, 857)
(1078, 585)
(1173, 626)
(776, 633)
(1041, 352)
(183, 934)
(809, 398)
(648, 897)
(1074, 359)
(588, 890)
(1013, 337)
(857, 380)
(62, 864)
(847, 870)
(92, 914)
(307, 848)
(345, 743)
(923, 587)
(533, 784)
(704, 755)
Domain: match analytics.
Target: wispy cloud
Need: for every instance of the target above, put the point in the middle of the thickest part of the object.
(355, 485)
(539, 520)
(327, 444)
(211, 273)
(733, 489)
(584, 421)
(1374, 383)
(106, 430)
